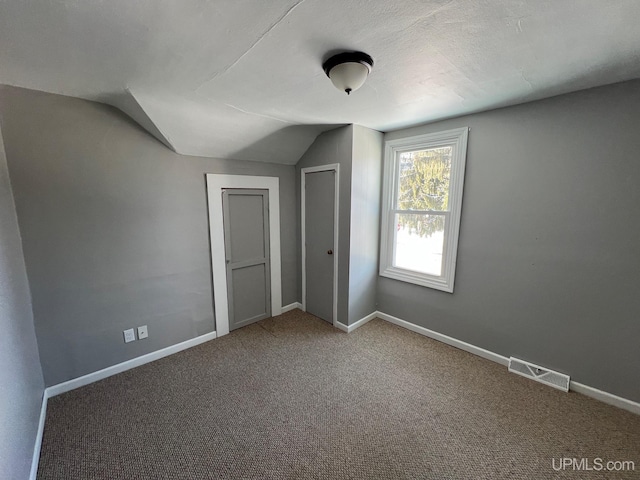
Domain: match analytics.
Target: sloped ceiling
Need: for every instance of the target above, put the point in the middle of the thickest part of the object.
(242, 79)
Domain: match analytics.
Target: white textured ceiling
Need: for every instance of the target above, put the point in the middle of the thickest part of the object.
(243, 79)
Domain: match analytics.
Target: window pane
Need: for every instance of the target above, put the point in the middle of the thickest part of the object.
(419, 241)
(423, 179)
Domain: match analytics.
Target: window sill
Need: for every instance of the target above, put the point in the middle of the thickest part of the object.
(417, 278)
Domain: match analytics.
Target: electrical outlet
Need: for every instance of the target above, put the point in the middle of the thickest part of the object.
(129, 336)
(143, 332)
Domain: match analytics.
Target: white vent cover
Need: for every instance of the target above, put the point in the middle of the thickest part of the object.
(539, 374)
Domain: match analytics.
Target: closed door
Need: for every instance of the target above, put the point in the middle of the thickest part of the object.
(319, 243)
(246, 242)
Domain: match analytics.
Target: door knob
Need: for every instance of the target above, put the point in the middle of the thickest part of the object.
(330, 252)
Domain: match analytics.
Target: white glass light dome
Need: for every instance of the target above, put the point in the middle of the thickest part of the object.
(349, 70)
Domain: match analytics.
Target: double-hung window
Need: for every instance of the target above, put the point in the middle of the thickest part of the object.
(422, 202)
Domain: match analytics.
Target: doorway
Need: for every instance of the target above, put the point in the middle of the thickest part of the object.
(246, 242)
(216, 183)
(319, 231)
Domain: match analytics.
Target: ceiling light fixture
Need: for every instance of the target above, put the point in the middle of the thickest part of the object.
(348, 70)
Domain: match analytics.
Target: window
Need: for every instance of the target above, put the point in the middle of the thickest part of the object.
(422, 201)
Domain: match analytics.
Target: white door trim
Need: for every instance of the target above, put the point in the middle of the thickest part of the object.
(335, 167)
(215, 184)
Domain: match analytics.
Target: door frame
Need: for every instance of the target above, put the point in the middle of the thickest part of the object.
(215, 184)
(332, 167)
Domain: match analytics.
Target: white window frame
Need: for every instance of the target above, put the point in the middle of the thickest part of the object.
(457, 139)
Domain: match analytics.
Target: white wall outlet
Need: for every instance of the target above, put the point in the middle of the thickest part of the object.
(143, 332)
(129, 335)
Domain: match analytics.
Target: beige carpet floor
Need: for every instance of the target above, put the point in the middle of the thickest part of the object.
(293, 398)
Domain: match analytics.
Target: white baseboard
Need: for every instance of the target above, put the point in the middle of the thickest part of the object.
(341, 326)
(359, 323)
(38, 444)
(605, 397)
(128, 365)
(54, 390)
(467, 347)
(609, 398)
(292, 306)
(99, 375)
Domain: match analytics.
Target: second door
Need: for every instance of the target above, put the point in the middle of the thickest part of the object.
(319, 243)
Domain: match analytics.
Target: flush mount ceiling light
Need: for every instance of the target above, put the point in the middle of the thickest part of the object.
(348, 70)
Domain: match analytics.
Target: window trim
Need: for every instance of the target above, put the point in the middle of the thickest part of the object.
(457, 138)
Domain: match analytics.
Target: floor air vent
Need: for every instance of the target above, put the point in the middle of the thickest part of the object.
(539, 374)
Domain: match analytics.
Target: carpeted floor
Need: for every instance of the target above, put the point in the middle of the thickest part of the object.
(293, 398)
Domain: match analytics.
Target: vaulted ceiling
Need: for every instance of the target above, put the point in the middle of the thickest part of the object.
(242, 79)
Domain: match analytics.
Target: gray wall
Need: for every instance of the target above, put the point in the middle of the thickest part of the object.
(21, 382)
(358, 150)
(366, 179)
(549, 254)
(115, 231)
(334, 146)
